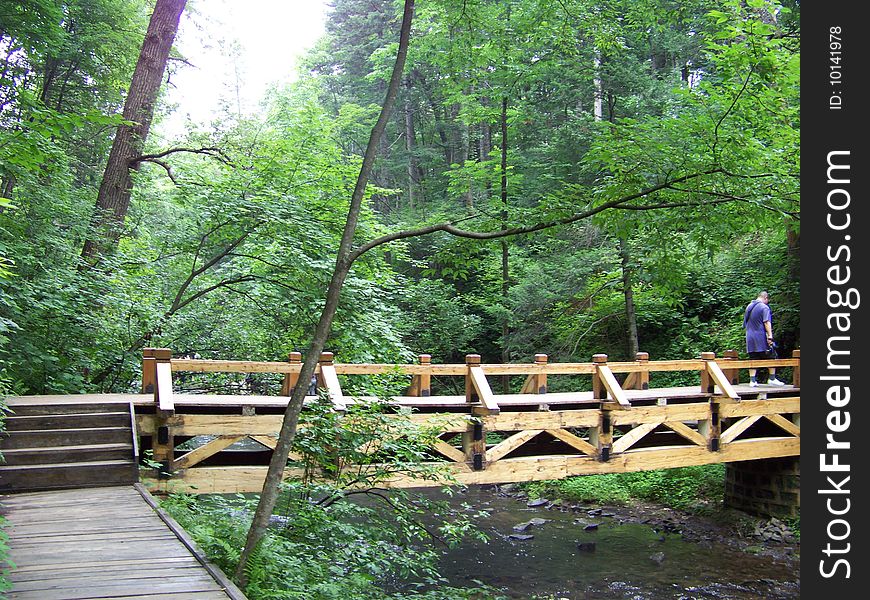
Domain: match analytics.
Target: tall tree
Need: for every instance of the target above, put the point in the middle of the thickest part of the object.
(113, 199)
(343, 263)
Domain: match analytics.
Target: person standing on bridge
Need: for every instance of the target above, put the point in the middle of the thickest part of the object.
(759, 335)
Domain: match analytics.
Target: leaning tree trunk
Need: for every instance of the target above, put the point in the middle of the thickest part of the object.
(113, 199)
(505, 251)
(628, 291)
(344, 260)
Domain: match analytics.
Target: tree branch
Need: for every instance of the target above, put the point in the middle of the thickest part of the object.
(449, 227)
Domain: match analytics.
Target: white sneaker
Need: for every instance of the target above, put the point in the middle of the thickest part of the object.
(753, 384)
(774, 381)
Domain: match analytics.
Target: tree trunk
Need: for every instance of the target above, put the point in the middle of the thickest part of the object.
(505, 254)
(598, 101)
(113, 199)
(344, 260)
(410, 143)
(628, 291)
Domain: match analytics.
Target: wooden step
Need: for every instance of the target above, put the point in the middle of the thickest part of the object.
(19, 478)
(68, 421)
(65, 454)
(43, 438)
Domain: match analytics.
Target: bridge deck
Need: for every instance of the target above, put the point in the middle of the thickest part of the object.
(441, 401)
(104, 543)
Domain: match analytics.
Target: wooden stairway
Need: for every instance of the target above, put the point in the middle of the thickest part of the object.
(67, 444)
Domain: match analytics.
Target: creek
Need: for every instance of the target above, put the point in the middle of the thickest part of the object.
(587, 553)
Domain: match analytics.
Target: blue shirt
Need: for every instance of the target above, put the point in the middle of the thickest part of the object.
(757, 313)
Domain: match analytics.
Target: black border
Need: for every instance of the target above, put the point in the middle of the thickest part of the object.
(824, 130)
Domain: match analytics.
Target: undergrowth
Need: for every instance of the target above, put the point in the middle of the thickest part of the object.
(692, 489)
(344, 552)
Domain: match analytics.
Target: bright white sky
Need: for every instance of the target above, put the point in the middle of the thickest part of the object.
(268, 37)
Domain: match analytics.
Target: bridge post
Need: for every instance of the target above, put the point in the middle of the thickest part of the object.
(421, 385)
(733, 375)
(291, 379)
(638, 380)
(149, 371)
(602, 436)
(474, 439)
(541, 378)
(707, 384)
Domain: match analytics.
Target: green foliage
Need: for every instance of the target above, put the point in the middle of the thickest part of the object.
(335, 534)
(684, 488)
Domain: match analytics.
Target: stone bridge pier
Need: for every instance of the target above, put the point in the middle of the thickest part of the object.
(768, 487)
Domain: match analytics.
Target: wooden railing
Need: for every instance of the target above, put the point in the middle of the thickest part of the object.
(489, 437)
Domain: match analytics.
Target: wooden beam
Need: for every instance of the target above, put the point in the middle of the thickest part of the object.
(516, 421)
(206, 480)
(630, 438)
(687, 432)
(483, 391)
(203, 452)
(574, 441)
(787, 425)
(163, 391)
(721, 380)
(611, 385)
(330, 381)
(510, 444)
(730, 434)
(761, 407)
(451, 452)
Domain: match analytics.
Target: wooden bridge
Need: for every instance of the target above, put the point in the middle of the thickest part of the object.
(623, 421)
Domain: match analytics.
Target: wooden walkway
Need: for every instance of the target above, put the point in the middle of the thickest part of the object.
(104, 543)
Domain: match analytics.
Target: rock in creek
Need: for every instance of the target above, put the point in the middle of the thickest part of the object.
(658, 558)
(537, 502)
(591, 527)
(521, 537)
(586, 546)
(523, 526)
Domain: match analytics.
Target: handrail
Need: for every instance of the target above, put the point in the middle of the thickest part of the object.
(244, 366)
(715, 372)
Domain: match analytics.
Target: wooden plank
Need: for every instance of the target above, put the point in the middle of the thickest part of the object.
(614, 390)
(687, 432)
(484, 393)
(761, 407)
(548, 398)
(233, 366)
(719, 378)
(333, 387)
(516, 421)
(755, 364)
(104, 542)
(454, 454)
(378, 369)
(574, 441)
(730, 434)
(208, 449)
(628, 439)
(787, 425)
(659, 414)
(510, 444)
(165, 401)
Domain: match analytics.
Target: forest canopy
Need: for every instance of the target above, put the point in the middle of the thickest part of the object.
(644, 157)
